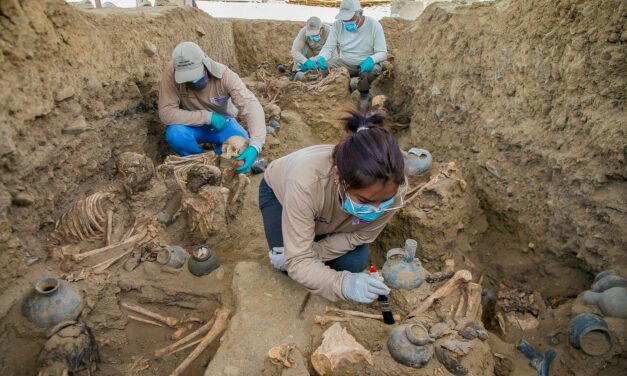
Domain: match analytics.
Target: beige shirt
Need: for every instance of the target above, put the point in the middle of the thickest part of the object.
(225, 96)
(304, 184)
(303, 48)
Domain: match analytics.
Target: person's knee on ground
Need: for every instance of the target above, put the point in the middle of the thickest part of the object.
(181, 139)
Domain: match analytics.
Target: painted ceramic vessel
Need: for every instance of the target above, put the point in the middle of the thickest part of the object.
(606, 280)
(203, 261)
(51, 302)
(172, 256)
(589, 333)
(402, 270)
(612, 302)
(417, 161)
(409, 345)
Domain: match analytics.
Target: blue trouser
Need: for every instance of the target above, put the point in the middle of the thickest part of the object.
(354, 261)
(184, 139)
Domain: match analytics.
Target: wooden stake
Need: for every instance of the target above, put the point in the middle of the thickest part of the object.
(221, 323)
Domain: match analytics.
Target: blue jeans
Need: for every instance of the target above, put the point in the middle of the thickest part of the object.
(354, 261)
(184, 139)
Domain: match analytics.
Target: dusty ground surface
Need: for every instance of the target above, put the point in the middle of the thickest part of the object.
(526, 98)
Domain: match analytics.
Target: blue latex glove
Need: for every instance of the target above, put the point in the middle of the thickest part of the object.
(249, 155)
(277, 258)
(218, 122)
(362, 288)
(308, 66)
(322, 63)
(366, 65)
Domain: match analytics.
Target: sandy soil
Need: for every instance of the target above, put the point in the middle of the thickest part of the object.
(526, 98)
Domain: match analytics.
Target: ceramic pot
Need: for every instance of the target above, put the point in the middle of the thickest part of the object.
(606, 280)
(589, 333)
(417, 161)
(612, 302)
(402, 270)
(203, 261)
(51, 302)
(408, 345)
(172, 256)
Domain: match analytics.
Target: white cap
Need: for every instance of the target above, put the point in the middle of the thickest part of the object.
(313, 25)
(188, 62)
(348, 9)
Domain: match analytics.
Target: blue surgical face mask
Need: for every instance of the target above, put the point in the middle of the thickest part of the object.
(199, 84)
(314, 38)
(350, 26)
(366, 212)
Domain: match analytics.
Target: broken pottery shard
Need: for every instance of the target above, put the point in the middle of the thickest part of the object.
(449, 361)
(458, 347)
(439, 330)
(338, 345)
(472, 330)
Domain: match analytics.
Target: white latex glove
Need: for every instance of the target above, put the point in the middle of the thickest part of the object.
(362, 288)
(277, 258)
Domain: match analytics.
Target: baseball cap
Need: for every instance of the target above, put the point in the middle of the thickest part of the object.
(188, 62)
(313, 26)
(348, 9)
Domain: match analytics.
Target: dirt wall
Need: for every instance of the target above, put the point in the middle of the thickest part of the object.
(78, 87)
(529, 98)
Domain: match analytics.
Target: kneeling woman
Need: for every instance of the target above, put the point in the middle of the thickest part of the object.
(324, 204)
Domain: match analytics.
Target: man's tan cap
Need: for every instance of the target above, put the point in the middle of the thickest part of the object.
(348, 9)
(188, 59)
(313, 26)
